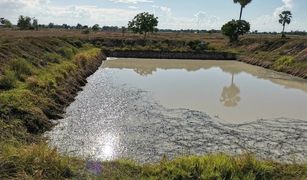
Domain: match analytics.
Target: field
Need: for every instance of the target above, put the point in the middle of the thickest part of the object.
(41, 72)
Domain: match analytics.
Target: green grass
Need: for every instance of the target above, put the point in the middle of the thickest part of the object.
(282, 62)
(28, 102)
(21, 68)
(8, 80)
(36, 161)
(215, 166)
(40, 162)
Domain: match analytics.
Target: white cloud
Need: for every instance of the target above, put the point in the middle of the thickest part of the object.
(132, 1)
(133, 7)
(166, 11)
(207, 21)
(270, 22)
(45, 13)
(287, 5)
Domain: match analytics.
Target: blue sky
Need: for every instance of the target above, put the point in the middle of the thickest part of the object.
(173, 14)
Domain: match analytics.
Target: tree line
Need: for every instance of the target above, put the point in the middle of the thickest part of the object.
(144, 23)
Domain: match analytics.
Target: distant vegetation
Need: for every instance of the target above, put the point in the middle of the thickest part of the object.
(24, 22)
(145, 23)
(6, 23)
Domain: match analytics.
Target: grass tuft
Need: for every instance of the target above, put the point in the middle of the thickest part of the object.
(36, 161)
(283, 62)
(21, 68)
(8, 80)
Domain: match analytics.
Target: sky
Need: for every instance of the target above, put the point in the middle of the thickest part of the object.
(172, 14)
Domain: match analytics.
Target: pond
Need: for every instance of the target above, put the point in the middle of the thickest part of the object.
(143, 109)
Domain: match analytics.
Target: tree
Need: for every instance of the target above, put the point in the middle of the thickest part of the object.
(233, 29)
(124, 29)
(143, 23)
(95, 27)
(24, 22)
(5, 22)
(51, 25)
(35, 24)
(243, 3)
(79, 26)
(285, 18)
(65, 26)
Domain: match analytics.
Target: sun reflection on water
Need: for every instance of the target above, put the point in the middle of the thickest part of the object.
(108, 143)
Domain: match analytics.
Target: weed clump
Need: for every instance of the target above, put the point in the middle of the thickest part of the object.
(21, 68)
(198, 46)
(53, 58)
(67, 52)
(8, 80)
(283, 62)
(34, 161)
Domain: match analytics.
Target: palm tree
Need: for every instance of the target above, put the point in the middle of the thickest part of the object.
(285, 18)
(243, 3)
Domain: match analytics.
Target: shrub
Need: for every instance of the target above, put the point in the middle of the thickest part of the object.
(53, 58)
(81, 60)
(8, 80)
(283, 62)
(86, 31)
(67, 53)
(21, 68)
(198, 45)
(78, 43)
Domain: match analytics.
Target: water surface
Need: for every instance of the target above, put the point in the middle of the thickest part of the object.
(144, 109)
(233, 91)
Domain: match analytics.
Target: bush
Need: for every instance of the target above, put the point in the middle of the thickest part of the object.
(21, 68)
(86, 31)
(67, 53)
(53, 58)
(198, 45)
(81, 60)
(8, 80)
(283, 62)
(78, 43)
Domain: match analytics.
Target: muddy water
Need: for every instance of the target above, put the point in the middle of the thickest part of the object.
(144, 109)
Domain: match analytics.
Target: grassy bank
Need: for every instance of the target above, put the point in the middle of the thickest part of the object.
(40, 76)
(40, 162)
(284, 55)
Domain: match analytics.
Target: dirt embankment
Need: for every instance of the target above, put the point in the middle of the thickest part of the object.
(207, 55)
(284, 55)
